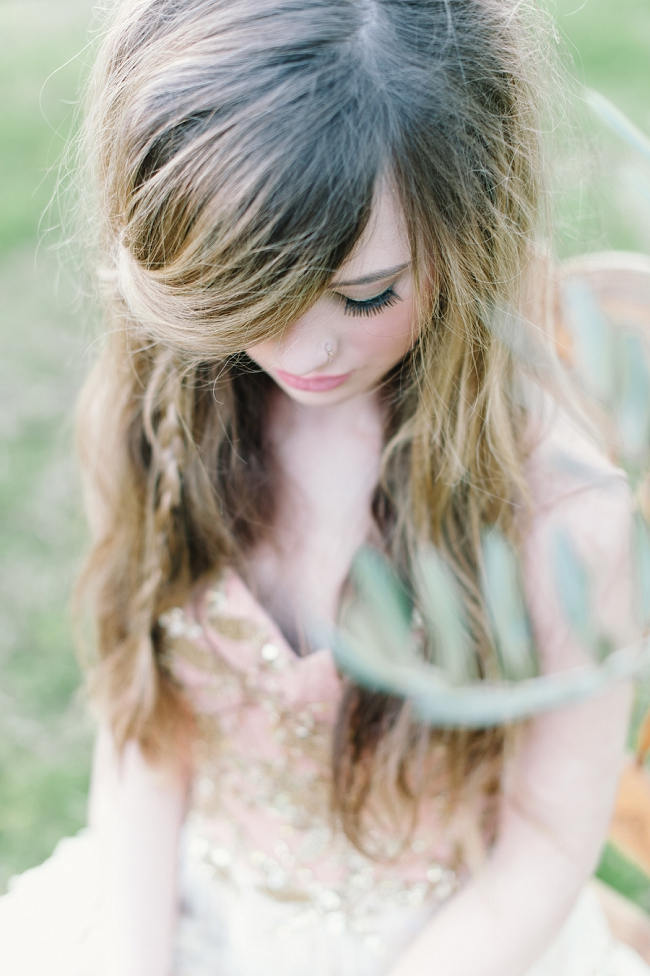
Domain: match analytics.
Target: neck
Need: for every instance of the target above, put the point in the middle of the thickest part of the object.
(355, 416)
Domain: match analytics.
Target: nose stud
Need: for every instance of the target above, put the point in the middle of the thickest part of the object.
(329, 351)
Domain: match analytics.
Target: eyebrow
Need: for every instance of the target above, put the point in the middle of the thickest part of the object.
(369, 278)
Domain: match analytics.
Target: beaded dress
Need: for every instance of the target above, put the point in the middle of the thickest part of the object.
(267, 884)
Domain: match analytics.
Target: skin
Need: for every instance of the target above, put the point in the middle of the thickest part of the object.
(328, 443)
(365, 346)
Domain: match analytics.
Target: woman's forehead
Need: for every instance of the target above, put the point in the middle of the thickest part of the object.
(383, 246)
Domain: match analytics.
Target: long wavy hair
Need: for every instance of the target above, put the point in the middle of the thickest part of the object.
(233, 149)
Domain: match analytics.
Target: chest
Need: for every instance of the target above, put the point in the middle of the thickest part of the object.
(323, 515)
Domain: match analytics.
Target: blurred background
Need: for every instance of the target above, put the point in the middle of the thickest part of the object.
(48, 332)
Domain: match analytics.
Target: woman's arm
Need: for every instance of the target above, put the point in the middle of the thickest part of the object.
(560, 786)
(137, 811)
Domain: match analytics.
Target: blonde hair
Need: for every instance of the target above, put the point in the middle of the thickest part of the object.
(233, 152)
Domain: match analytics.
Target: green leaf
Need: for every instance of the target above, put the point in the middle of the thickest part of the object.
(641, 549)
(592, 339)
(506, 605)
(632, 407)
(572, 585)
(359, 653)
(375, 643)
(618, 122)
(624, 876)
(384, 597)
(443, 617)
(362, 651)
(482, 705)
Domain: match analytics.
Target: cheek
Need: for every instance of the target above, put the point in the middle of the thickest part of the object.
(388, 336)
(261, 353)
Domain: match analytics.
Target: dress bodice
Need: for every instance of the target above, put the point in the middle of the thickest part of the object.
(266, 882)
(261, 796)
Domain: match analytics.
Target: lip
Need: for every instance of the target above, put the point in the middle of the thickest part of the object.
(314, 384)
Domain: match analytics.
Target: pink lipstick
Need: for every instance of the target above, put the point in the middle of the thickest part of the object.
(314, 384)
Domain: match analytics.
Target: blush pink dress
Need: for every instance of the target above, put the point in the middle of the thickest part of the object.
(267, 883)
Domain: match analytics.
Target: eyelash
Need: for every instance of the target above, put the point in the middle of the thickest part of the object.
(372, 306)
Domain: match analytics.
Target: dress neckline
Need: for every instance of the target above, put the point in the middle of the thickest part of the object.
(229, 590)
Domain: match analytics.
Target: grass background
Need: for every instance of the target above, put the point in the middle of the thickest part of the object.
(45, 734)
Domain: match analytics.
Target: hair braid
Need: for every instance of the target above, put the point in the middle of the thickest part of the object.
(147, 485)
(167, 422)
(164, 546)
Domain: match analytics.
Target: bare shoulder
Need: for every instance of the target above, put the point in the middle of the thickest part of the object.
(577, 490)
(568, 461)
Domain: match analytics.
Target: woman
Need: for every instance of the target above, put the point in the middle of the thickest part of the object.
(319, 248)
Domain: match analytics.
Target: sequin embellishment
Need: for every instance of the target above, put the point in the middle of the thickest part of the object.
(259, 811)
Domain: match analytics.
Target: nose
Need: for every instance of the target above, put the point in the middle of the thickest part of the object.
(309, 346)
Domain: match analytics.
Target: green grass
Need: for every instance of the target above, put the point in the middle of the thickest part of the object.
(43, 60)
(598, 203)
(44, 730)
(608, 43)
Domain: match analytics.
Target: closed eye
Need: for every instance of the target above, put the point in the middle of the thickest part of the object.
(371, 306)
